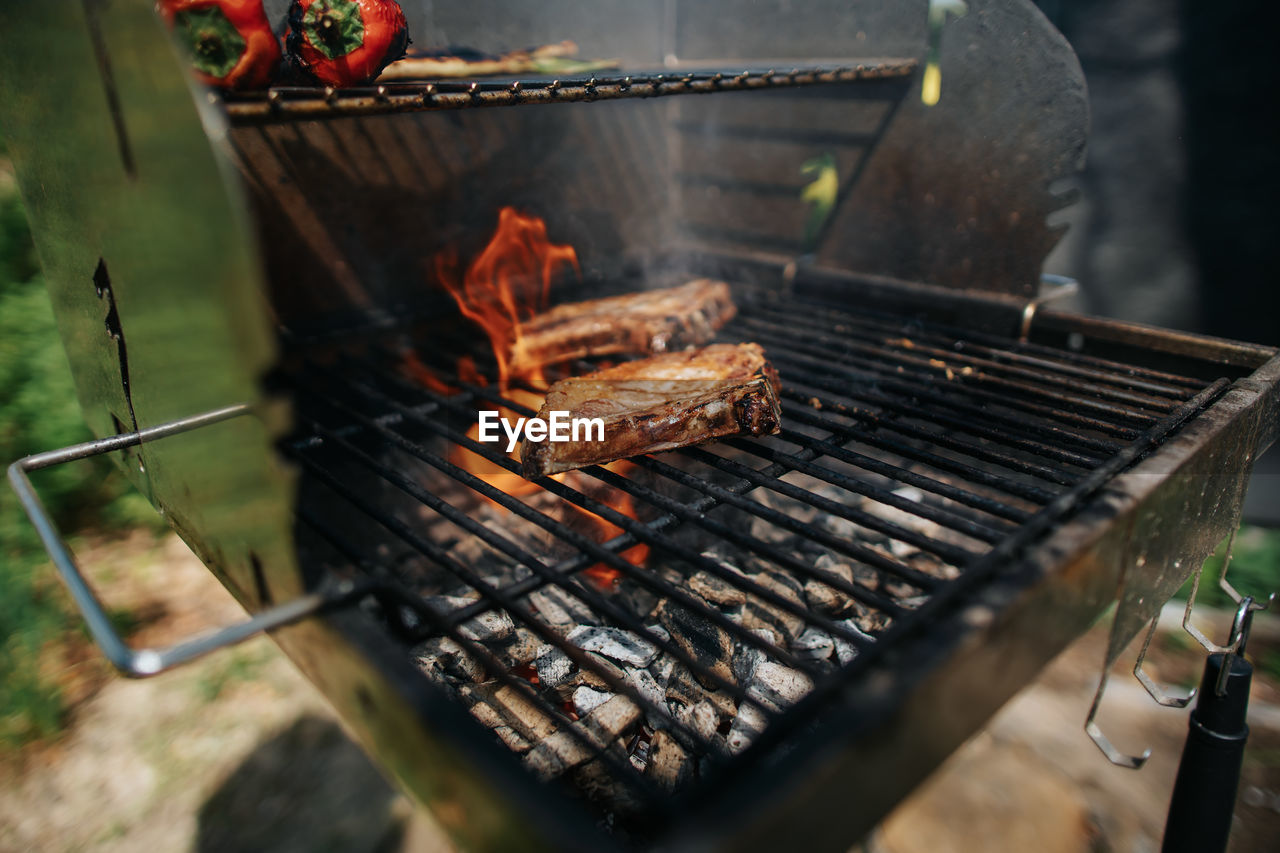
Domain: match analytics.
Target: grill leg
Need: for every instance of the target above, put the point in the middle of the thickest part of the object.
(1204, 794)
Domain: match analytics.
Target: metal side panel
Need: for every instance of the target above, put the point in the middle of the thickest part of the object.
(152, 268)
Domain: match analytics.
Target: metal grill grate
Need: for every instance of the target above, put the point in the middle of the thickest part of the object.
(919, 456)
(284, 103)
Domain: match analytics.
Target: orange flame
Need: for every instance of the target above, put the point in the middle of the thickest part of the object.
(507, 284)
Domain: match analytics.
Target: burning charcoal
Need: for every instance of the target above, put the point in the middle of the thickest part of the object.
(598, 782)
(587, 699)
(747, 726)
(562, 751)
(758, 613)
(519, 712)
(699, 638)
(614, 643)
(846, 651)
(826, 599)
(553, 666)
(669, 764)
(901, 517)
(700, 717)
(716, 591)
(602, 671)
(523, 648)
(559, 609)
(512, 739)
(648, 688)
(813, 645)
(638, 754)
(776, 686)
(662, 669)
(660, 632)
(747, 657)
(450, 657)
(492, 626)
(933, 566)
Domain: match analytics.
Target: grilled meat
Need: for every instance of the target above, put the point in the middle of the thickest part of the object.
(660, 403)
(652, 321)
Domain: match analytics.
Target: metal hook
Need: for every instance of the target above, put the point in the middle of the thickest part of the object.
(1115, 756)
(1226, 587)
(1158, 692)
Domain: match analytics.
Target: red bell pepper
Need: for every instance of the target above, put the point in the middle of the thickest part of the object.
(345, 42)
(230, 41)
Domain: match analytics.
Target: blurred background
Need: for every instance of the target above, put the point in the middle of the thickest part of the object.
(237, 752)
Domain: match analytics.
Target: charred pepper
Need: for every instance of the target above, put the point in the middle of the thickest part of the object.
(230, 41)
(345, 42)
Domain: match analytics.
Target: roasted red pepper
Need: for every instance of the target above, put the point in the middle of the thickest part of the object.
(345, 42)
(231, 42)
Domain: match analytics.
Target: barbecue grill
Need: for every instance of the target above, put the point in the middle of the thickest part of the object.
(713, 647)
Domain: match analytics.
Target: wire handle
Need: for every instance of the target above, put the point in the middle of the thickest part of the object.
(139, 663)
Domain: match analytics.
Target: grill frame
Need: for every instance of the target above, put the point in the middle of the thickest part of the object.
(1032, 591)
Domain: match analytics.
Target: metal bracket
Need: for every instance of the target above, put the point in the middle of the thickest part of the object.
(139, 663)
(1113, 755)
(1158, 692)
(1247, 602)
(1061, 287)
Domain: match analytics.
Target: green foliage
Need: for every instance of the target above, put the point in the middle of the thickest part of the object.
(38, 411)
(1255, 569)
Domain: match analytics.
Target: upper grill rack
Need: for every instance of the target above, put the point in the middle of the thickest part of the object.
(996, 441)
(286, 103)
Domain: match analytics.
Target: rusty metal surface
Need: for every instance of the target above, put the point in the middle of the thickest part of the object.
(958, 194)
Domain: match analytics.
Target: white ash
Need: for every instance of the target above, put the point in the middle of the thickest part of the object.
(512, 739)
(560, 610)
(489, 627)
(523, 647)
(450, 658)
(602, 673)
(776, 686)
(614, 643)
(846, 651)
(701, 717)
(553, 666)
(562, 751)
(587, 699)
(643, 682)
(813, 645)
(747, 726)
(759, 613)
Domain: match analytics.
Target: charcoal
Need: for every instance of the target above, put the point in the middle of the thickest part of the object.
(587, 699)
(562, 751)
(560, 610)
(523, 647)
(519, 712)
(599, 783)
(513, 740)
(824, 598)
(614, 643)
(492, 626)
(746, 657)
(553, 666)
(662, 669)
(846, 651)
(599, 674)
(644, 684)
(716, 591)
(747, 726)
(700, 717)
(450, 657)
(758, 613)
(933, 566)
(776, 686)
(813, 645)
(699, 638)
(669, 765)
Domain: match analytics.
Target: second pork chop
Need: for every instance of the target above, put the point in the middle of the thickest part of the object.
(660, 403)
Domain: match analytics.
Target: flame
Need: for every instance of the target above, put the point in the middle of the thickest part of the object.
(507, 284)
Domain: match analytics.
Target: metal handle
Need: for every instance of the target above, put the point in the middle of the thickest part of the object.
(139, 663)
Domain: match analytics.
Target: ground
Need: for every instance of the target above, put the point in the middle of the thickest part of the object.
(238, 752)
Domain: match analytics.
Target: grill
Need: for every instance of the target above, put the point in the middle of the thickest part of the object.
(714, 647)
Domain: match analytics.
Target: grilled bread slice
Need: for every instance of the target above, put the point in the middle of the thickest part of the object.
(660, 403)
